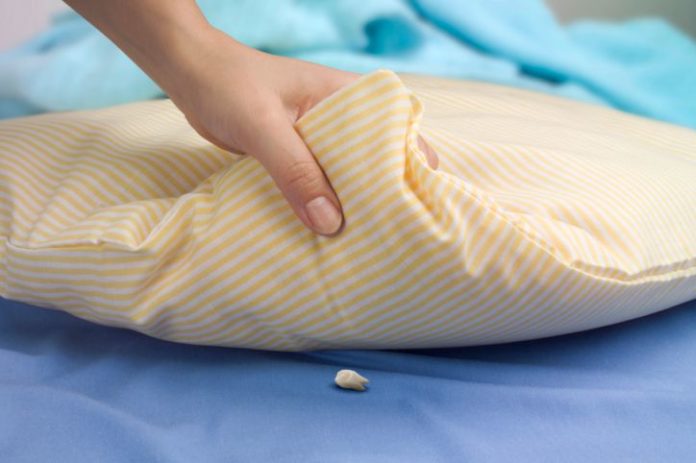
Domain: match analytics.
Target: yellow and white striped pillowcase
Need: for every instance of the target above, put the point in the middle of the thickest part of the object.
(546, 217)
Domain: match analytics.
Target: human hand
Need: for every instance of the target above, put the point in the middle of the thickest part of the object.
(247, 101)
(239, 98)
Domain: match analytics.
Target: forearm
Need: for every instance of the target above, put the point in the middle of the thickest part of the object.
(168, 39)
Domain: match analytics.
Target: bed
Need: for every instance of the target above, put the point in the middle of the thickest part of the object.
(74, 391)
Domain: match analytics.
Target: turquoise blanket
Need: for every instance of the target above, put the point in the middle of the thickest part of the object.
(642, 66)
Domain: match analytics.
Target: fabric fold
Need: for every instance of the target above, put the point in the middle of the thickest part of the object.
(126, 217)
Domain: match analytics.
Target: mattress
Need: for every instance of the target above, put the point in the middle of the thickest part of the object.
(74, 391)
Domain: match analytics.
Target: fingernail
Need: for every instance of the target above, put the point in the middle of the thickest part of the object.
(324, 216)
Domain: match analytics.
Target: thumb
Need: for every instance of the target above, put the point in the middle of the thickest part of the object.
(298, 176)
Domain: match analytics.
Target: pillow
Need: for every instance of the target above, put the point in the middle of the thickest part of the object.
(546, 217)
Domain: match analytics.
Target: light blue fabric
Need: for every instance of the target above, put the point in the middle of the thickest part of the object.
(71, 392)
(642, 66)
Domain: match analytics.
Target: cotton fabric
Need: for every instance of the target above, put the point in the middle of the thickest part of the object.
(547, 217)
(74, 391)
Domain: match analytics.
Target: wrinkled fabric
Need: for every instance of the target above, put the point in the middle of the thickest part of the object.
(73, 391)
(521, 233)
(643, 66)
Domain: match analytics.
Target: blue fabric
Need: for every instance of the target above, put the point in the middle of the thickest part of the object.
(72, 391)
(642, 66)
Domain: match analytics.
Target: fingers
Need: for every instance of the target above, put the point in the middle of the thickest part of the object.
(298, 176)
(430, 154)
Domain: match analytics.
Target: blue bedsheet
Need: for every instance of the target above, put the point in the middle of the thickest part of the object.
(72, 391)
(643, 66)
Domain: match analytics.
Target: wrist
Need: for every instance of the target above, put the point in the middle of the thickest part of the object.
(194, 56)
(172, 46)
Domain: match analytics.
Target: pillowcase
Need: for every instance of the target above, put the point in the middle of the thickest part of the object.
(546, 217)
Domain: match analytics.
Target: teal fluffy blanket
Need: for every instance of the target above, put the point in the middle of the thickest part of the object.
(642, 66)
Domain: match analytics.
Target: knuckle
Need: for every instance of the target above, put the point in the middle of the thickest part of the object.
(304, 176)
(263, 119)
(266, 115)
(266, 111)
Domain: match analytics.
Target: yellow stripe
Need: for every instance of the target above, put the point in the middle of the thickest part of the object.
(545, 217)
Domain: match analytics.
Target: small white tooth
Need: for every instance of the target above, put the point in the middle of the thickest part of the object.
(349, 379)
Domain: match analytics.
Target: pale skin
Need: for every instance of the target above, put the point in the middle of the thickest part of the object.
(231, 94)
